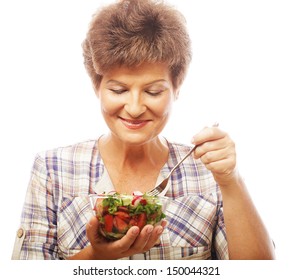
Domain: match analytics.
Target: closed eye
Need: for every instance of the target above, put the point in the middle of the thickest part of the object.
(118, 91)
(154, 93)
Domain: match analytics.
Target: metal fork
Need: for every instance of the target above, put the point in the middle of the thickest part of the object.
(160, 188)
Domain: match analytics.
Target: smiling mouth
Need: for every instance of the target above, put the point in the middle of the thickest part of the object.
(134, 124)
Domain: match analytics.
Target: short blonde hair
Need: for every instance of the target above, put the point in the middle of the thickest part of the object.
(130, 32)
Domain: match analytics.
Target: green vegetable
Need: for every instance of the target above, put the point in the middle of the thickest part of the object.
(120, 212)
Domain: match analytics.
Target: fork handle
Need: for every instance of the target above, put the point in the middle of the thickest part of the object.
(216, 124)
(192, 149)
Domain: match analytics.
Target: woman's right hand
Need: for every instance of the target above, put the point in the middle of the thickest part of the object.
(134, 242)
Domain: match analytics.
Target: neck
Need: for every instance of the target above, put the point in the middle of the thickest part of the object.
(123, 155)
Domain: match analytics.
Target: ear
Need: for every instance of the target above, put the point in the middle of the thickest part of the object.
(96, 91)
(96, 85)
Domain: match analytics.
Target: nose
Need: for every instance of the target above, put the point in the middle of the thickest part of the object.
(135, 106)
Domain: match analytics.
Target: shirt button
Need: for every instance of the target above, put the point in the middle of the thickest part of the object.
(20, 233)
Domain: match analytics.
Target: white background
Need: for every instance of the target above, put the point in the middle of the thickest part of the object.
(241, 76)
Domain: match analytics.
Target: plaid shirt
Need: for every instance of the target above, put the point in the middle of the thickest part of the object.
(57, 208)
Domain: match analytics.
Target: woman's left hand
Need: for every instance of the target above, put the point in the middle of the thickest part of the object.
(217, 151)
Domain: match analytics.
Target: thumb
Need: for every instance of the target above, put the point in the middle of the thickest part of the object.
(92, 229)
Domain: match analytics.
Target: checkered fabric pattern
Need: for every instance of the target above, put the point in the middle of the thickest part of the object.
(57, 207)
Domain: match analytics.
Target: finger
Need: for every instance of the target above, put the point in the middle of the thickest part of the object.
(208, 134)
(209, 146)
(125, 243)
(154, 238)
(164, 223)
(209, 156)
(92, 229)
(143, 238)
(221, 167)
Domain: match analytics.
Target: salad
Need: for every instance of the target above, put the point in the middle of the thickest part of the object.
(117, 213)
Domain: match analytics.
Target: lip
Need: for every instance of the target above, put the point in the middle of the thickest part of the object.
(134, 124)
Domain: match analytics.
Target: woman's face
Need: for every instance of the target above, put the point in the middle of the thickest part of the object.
(136, 102)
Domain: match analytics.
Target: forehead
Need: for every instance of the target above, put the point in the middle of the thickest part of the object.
(145, 71)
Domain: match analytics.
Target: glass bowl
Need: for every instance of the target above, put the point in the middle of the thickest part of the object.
(117, 213)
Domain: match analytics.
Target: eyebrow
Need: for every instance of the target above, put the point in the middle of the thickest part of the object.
(156, 81)
(115, 81)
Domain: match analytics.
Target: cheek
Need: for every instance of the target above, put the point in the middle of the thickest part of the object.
(109, 106)
(163, 107)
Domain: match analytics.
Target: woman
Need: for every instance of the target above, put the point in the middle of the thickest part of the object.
(137, 53)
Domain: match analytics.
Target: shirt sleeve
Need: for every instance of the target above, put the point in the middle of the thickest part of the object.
(220, 245)
(39, 219)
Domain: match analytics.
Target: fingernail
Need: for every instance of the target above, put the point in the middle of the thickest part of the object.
(160, 230)
(149, 230)
(135, 230)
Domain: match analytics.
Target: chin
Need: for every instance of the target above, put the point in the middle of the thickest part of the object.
(135, 138)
